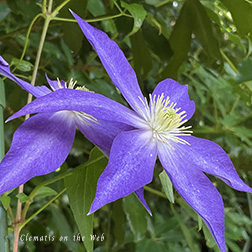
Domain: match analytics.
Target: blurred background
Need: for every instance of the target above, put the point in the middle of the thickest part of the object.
(205, 44)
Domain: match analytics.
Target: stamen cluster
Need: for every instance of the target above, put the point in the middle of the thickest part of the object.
(165, 120)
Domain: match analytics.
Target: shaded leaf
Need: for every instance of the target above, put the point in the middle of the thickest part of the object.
(180, 40)
(119, 220)
(63, 226)
(245, 73)
(203, 29)
(81, 188)
(141, 54)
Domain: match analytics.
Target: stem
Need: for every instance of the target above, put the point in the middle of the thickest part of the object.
(17, 226)
(90, 20)
(147, 188)
(26, 38)
(36, 65)
(4, 243)
(42, 208)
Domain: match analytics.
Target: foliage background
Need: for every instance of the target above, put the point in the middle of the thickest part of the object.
(203, 43)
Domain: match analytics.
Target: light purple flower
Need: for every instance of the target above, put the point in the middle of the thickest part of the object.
(41, 144)
(160, 131)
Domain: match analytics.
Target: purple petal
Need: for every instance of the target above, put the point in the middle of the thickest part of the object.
(211, 158)
(36, 91)
(196, 189)
(94, 104)
(40, 145)
(102, 134)
(178, 94)
(131, 163)
(140, 195)
(54, 84)
(115, 63)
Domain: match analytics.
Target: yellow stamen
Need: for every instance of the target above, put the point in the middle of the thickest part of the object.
(165, 120)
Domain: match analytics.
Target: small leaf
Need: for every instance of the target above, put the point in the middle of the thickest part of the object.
(21, 65)
(81, 188)
(22, 197)
(138, 13)
(167, 186)
(45, 191)
(5, 201)
(136, 215)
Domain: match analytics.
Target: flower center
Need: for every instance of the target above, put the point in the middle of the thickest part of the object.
(165, 120)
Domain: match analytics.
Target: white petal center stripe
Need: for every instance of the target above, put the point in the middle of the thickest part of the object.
(80, 116)
(164, 120)
(85, 118)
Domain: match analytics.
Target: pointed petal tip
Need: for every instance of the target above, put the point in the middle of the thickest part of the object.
(3, 62)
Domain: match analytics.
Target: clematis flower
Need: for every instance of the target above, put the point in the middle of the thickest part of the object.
(160, 131)
(41, 144)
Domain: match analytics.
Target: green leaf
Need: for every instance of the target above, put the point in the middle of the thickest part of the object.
(167, 186)
(22, 197)
(81, 188)
(202, 28)
(136, 215)
(5, 201)
(45, 191)
(22, 65)
(138, 13)
(241, 12)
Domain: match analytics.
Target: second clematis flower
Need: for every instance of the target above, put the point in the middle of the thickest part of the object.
(160, 131)
(42, 143)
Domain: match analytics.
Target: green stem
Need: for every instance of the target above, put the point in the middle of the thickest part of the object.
(154, 191)
(36, 65)
(4, 243)
(42, 208)
(27, 36)
(90, 20)
(17, 226)
(53, 180)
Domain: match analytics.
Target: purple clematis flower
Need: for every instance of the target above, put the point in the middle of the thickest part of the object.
(41, 144)
(160, 131)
